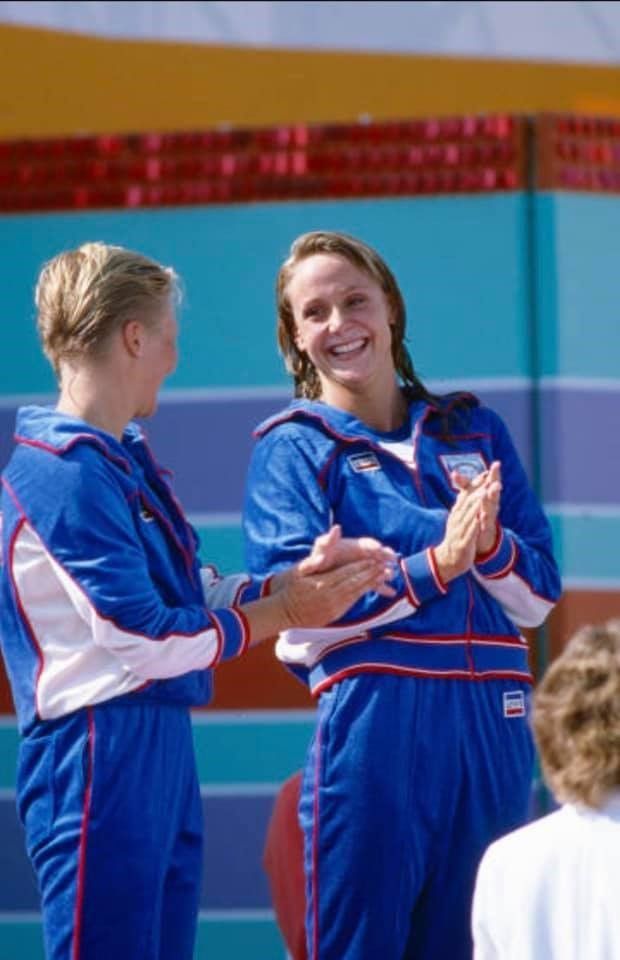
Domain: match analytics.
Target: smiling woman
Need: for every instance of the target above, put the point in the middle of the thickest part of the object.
(343, 325)
(422, 752)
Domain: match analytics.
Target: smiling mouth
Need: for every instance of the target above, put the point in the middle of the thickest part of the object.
(345, 349)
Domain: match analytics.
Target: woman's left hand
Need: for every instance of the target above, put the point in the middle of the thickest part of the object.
(491, 480)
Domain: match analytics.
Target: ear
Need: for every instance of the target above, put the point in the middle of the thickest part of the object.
(133, 338)
(298, 340)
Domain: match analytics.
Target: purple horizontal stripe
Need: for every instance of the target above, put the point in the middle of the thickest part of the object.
(235, 830)
(580, 442)
(233, 876)
(207, 443)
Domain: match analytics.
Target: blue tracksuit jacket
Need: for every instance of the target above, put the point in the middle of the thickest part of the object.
(102, 593)
(314, 465)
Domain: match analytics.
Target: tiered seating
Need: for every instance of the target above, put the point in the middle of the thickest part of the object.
(441, 155)
(407, 157)
(578, 153)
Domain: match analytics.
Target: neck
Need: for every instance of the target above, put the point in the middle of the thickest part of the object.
(98, 403)
(382, 410)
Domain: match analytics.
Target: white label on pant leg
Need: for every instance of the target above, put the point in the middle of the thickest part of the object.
(514, 703)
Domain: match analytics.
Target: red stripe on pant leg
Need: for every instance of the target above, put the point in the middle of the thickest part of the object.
(315, 850)
(79, 900)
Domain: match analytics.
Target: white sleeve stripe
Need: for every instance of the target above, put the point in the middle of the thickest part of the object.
(524, 607)
(408, 585)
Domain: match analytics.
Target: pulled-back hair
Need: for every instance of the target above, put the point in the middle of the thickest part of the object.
(577, 716)
(84, 295)
(365, 258)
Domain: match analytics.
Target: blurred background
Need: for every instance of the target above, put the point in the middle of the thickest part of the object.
(476, 145)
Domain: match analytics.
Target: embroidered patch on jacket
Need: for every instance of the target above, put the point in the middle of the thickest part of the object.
(363, 462)
(514, 703)
(469, 465)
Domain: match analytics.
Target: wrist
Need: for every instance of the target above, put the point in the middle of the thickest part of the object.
(281, 609)
(267, 617)
(488, 549)
(447, 568)
(275, 582)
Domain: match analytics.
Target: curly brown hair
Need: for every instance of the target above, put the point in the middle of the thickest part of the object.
(576, 716)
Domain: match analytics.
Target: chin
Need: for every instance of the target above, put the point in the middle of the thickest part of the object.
(146, 411)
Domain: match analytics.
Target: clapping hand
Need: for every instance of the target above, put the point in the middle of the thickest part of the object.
(471, 525)
(332, 550)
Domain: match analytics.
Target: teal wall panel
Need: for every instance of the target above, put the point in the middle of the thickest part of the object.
(585, 544)
(461, 262)
(578, 284)
(222, 546)
(586, 547)
(217, 939)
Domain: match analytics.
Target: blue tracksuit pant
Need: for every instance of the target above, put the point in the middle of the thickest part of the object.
(110, 802)
(407, 781)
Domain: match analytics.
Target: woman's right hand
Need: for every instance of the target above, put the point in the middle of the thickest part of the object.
(314, 599)
(321, 587)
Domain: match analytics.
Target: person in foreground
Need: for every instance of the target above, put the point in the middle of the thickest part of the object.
(110, 627)
(550, 890)
(422, 752)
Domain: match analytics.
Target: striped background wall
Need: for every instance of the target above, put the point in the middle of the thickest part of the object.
(461, 263)
(512, 296)
(229, 377)
(578, 344)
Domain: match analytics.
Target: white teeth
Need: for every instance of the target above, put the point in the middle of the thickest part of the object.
(348, 347)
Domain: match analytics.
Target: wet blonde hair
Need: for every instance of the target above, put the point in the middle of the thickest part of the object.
(576, 717)
(84, 295)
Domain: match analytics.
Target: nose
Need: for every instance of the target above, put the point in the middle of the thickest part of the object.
(336, 320)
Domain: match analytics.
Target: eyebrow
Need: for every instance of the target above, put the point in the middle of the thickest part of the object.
(356, 288)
